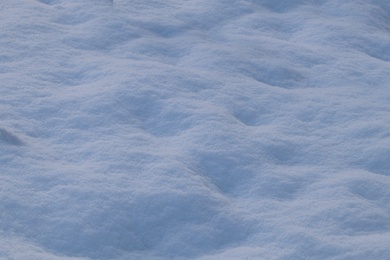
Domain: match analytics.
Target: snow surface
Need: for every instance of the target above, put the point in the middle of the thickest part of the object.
(195, 129)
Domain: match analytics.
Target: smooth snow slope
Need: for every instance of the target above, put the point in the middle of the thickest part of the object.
(198, 129)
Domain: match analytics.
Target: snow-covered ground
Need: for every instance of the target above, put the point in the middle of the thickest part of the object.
(194, 129)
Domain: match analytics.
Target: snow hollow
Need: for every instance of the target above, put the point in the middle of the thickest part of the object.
(198, 129)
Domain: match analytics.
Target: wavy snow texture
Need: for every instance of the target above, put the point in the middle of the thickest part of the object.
(194, 129)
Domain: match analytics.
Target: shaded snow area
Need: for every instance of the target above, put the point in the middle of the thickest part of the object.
(194, 129)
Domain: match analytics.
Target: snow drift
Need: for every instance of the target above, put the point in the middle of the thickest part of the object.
(194, 129)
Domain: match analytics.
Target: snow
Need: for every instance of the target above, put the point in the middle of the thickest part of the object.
(229, 129)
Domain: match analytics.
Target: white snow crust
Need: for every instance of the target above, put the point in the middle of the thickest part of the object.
(194, 129)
